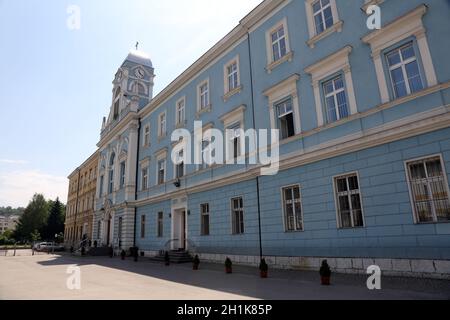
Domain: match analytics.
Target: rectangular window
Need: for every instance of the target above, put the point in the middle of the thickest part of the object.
(292, 207)
(143, 226)
(404, 71)
(429, 190)
(144, 179)
(161, 171)
(335, 99)
(206, 154)
(111, 181)
(235, 141)
(146, 136)
(122, 174)
(285, 115)
(237, 215)
(160, 224)
(233, 76)
(323, 15)
(204, 96)
(179, 168)
(348, 199)
(162, 125)
(279, 49)
(181, 112)
(204, 211)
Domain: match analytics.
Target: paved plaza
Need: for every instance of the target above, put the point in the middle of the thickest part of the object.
(45, 277)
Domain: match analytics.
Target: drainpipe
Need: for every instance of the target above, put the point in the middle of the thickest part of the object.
(137, 176)
(254, 126)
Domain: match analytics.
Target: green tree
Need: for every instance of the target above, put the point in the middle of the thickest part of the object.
(34, 218)
(35, 236)
(55, 221)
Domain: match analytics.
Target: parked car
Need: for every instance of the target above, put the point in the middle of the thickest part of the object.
(48, 246)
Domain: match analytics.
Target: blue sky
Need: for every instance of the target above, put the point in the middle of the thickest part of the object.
(55, 83)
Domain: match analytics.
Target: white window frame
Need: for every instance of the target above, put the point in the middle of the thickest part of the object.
(408, 179)
(202, 214)
(230, 119)
(271, 62)
(205, 107)
(336, 200)
(162, 125)
(144, 179)
(333, 64)
(282, 189)
(146, 140)
(280, 92)
(229, 91)
(158, 182)
(393, 33)
(402, 64)
(180, 104)
(123, 174)
(232, 211)
(334, 94)
(313, 35)
(285, 114)
(175, 166)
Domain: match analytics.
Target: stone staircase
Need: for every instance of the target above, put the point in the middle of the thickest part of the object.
(176, 256)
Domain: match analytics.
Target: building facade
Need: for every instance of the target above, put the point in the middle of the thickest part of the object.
(80, 202)
(364, 123)
(8, 223)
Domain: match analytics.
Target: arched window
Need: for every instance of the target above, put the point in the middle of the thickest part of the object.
(116, 103)
(139, 88)
(111, 173)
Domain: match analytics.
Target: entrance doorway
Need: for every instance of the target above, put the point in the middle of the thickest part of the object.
(179, 230)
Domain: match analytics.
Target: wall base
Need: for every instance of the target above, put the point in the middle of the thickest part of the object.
(433, 269)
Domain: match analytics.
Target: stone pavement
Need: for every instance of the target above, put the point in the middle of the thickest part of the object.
(45, 277)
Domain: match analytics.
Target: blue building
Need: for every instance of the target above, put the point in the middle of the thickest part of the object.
(364, 120)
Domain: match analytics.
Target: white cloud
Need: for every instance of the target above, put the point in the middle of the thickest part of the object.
(18, 187)
(9, 161)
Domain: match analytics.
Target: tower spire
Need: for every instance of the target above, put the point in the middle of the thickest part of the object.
(137, 45)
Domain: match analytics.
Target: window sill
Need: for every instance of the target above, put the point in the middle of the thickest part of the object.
(337, 27)
(202, 111)
(231, 93)
(181, 125)
(288, 57)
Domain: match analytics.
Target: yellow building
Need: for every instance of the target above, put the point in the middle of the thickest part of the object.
(80, 202)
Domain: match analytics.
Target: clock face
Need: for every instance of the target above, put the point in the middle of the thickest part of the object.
(140, 73)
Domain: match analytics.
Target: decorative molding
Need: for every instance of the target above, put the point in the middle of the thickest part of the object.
(406, 26)
(338, 61)
(337, 27)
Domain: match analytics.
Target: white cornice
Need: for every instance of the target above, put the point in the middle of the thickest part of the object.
(408, 24)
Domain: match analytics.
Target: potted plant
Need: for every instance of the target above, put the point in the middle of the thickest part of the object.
(167, 258)
(123, 254)
(228, 266)
(263, 268)
(196, 263)
(325, 273)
